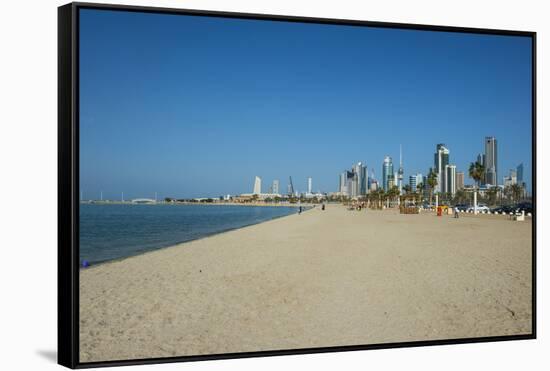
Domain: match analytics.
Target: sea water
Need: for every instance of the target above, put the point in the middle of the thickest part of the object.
(114, 231)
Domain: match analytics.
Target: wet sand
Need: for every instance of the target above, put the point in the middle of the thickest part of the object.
(322, 278)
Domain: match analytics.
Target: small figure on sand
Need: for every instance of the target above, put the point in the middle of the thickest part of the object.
(456, 212)
(323, 207)
(300, 210)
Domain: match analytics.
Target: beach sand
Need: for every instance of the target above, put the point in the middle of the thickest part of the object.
(322, 278)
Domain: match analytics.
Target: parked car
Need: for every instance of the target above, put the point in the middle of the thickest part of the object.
(462, 207)
(527, 207)
(507, 209)
(480, 207)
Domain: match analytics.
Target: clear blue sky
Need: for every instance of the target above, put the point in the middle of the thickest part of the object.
(192, 106)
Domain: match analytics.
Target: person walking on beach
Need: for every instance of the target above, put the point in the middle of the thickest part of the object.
(300, 210)
(456, 212)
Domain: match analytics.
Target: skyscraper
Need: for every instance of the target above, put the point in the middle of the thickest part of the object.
(519, 173)
(352, 183)
(364, 183)
(343, 188)
(309, 185)
(275, 186)
(387, 172)
(450, 178)
(491, 170)
(441, 159)
(355, 182)
(257, 185)
(481, 160)
(459, 180)
(360, 172)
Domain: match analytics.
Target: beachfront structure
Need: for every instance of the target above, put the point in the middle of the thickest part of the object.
(491, 171)
(309, 185)
(459, 180)
(415, 180)
(257, 185)
(450, 178)
(275, 187)
(441, 159)
(387, 172)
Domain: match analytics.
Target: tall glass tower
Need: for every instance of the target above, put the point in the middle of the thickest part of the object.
(441, 159)
(387, 172)
(491, 161)
(519, 173)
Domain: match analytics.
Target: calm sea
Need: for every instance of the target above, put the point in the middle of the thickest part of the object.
(113, 231)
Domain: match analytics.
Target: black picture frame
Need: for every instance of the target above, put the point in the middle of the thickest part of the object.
(68, 182)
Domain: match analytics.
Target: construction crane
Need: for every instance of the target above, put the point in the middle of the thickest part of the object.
(291, 185)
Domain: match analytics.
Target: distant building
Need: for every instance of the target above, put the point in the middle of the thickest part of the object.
(491, 170)
(364, 181)
(343, 186)
(354, 183)
(459, 180)
(450, 178)
(481, 160)
(360, 177)
(415, 180)
(511, 179)
(257, 185)
(309, 184)
(441, 159)
(519, 173)
(387, 172)
(275, 186)
(373, 185)
(391, 182)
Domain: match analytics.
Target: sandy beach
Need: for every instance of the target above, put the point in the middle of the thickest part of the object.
(322, 278)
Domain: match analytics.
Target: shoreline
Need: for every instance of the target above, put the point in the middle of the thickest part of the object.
(160, 203)
(323, 278)
(171, 245)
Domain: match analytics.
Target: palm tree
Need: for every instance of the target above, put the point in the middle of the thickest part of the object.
(407, 188)
(492, 195)
(476, 172)
(460, 197)
(392, 193)
(378, 197)
(515, 191)
(420, 189)
(432, 183)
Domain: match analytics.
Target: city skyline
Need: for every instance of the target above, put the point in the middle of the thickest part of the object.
(191, 127)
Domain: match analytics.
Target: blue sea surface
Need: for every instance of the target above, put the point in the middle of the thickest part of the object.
(114, 231)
